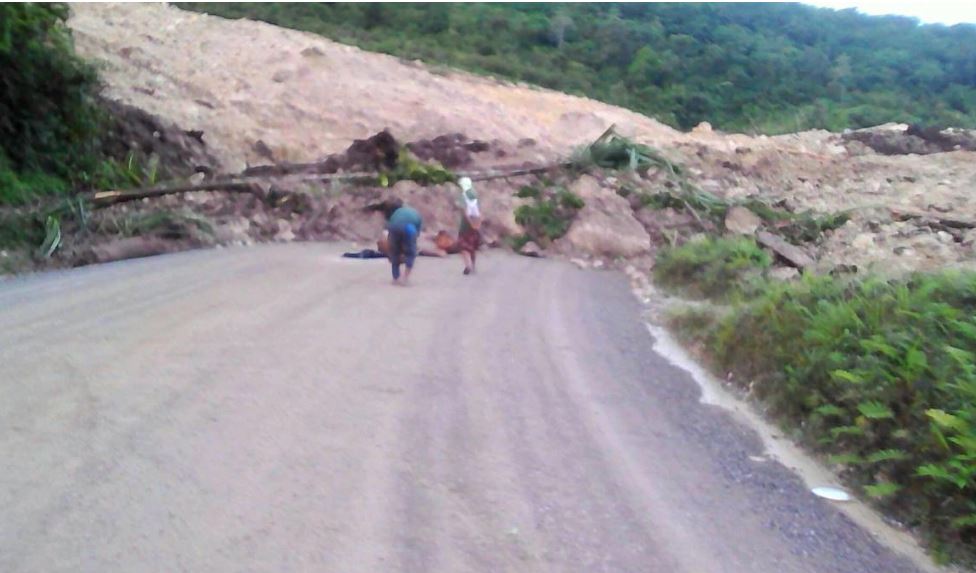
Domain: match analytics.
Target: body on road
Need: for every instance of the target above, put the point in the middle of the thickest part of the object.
(278, 409)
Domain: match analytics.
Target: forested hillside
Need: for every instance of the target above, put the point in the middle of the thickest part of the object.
(752, 67)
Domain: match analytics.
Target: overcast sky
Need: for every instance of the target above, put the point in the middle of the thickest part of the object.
(928, 11)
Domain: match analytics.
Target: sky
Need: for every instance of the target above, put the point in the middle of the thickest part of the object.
(928, 11)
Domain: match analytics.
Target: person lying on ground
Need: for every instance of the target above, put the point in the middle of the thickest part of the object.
(444, 245)
(404, 225)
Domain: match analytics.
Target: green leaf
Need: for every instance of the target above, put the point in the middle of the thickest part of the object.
(964, 522)
(934, 471)
(915, 361)
(960, 356)
(875, 410)
(889, 455)
(945, 419)
(845, 459)
(830, 410)
(882, 489)
(940, 473)
(52, 239)
(879, 345)
(846, 431)
(845, 376)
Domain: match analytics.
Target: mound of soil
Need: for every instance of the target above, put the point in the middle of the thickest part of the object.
(914, 139)
(130, 130)
(380, 152)
(451, 151)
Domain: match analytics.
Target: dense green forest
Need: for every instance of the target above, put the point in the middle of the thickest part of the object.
(752, 67)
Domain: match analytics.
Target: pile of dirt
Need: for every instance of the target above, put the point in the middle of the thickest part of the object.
(374, 154)
(305, 97)
(381, 152)
(913, 139)
(177, 152)
(451, 151)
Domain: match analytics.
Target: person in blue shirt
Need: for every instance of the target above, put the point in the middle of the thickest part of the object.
(403, 224)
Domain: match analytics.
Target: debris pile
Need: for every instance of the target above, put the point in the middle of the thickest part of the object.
(913, 139)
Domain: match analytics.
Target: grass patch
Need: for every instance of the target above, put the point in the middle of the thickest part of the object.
(880, 375)
(171, 224)
(719, 268)
(20, 230)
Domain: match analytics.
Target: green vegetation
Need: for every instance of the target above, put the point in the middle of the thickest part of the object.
(712, 268)
(172, 224)
(48, 119)
(757, 67)
(409, 168)
(51, 131)
(613, 151)
(880, 375)
(52, 127)
(548, 216)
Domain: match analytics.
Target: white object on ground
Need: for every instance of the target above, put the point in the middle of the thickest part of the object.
(831, 493)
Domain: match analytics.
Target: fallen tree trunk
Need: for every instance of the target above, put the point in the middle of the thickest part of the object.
(128, 248)
(248, 184)
(104, 198)
(790, 253)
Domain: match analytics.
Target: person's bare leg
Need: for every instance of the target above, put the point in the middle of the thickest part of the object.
(467, 261)
(405, 278)
(474, 260)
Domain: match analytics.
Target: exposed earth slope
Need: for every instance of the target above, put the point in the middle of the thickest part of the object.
(259, 92)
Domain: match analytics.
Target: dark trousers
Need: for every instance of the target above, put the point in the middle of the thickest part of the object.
(402, 249)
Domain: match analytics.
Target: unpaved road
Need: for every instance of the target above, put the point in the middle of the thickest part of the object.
(279, 409)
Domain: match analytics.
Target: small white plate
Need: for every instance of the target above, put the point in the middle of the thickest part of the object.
(831, 493)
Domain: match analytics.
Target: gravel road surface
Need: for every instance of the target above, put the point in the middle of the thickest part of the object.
(280, 409)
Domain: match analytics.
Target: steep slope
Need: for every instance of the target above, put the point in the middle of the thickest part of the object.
(259, 91)
(305, 96)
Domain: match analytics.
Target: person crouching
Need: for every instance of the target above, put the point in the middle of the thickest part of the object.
(403, 225)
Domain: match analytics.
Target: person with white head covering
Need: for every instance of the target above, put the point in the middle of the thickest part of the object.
(469, 234)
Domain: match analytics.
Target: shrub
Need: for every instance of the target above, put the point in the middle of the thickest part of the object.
(48, 121)
(549, 215)
(712, 267)
(881, 375)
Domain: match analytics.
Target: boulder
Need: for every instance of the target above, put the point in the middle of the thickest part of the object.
(863, 242)
(233, 230)
(784, 273)
(742, 221)
(284, 234)
(605, 226)
(530, 249)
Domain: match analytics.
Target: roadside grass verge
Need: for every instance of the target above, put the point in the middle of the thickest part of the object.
(722, 269)
(879, 375)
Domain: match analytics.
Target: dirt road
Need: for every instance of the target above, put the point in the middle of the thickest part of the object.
(280, 409)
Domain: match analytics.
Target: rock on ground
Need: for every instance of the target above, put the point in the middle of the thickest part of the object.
(605, 226)
(742, 221)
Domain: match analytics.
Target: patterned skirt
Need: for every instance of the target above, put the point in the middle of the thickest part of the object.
(469, 240)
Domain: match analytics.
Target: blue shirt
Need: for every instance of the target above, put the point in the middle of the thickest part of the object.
(405, 216)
